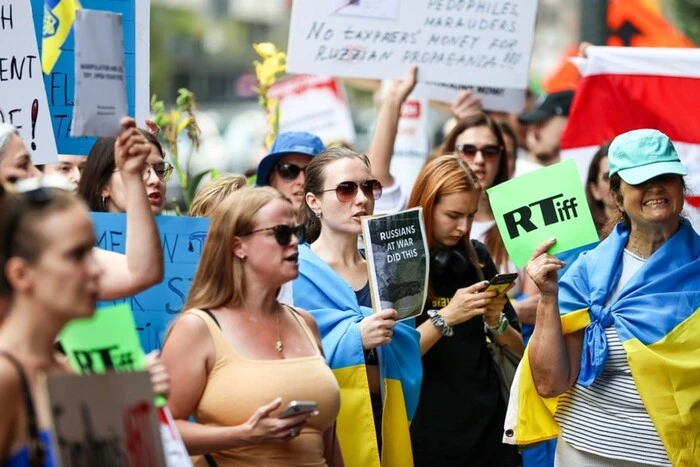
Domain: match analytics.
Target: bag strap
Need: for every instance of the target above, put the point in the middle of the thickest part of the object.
(211, 315)
(37, 453)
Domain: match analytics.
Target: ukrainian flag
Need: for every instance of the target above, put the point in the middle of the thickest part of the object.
(333, 304)
(59, 16)
(657, 318)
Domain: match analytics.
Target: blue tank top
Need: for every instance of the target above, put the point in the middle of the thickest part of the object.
(21, 457)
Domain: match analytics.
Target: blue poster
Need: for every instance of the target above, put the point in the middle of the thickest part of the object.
(182, 240)
(60, 84)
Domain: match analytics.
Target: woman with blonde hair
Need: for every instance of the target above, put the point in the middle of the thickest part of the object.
(214, 193)
(236, 355)
(461, 410)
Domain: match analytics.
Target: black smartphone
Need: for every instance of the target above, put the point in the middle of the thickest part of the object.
(501, 283)
(298, 408)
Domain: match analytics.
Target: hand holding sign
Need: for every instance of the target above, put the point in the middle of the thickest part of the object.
(131, 149)
(542, 269)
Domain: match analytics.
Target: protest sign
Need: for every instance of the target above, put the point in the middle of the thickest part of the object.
(100, 84)
(23, 102)
(314, 104)
(539, 205)
(397, 255)
(484, 43)
(60, 83)
(105, 420)
(495, 99)
(412, 143)
(182, 241)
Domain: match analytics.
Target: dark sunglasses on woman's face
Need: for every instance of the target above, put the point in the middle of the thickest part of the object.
(289, 171)
(346, 191)
(283, 233)
(469, 150)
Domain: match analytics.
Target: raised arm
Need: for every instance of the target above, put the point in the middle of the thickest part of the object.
(555, 359)
(142, 266)
(381, 149)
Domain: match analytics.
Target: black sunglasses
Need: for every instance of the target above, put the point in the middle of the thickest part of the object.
(488, 151)
(283, 233)
(346, 191)
(289, 171)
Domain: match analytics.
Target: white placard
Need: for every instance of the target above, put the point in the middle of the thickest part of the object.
(412, 143)
(314, 104)
(143, 61)
(100, 74)
(22, 95)
(496, 99)
(481, 43)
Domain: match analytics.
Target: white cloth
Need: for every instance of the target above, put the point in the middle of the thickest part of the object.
(393, 200)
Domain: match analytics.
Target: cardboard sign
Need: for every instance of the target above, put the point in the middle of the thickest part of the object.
(397, 261)
(549, 202)
(478, 43)
(60, 84)
(154, 309)
(495, 99)
(314, 104)
(104, 419)
(23, 102)
(100, 84)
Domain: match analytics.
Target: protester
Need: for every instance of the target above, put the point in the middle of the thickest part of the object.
(236, 356)
(545, 126)
(602, 205)
(376, 359)
(50, 276)
(69, 167)
(461, 410)
(15, 158)
(103, 185)
(284, 167)
(213, 194)
(619, 327)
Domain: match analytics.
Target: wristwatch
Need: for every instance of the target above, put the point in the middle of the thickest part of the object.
(500, 328)
(444, 328)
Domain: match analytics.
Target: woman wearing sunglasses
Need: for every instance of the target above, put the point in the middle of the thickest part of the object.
(376, 359)
(237, 357)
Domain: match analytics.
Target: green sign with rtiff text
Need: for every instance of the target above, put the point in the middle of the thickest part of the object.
(534, 207)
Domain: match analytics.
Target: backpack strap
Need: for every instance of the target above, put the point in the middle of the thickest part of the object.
(37, 452)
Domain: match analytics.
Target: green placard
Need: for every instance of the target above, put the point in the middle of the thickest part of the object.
(547, 203)
(107, 341)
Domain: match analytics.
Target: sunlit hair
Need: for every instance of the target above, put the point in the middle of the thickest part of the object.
(314, 182)
(443, 176)
(6, 132)
(214, 193)
(28, 239)
(219, 278)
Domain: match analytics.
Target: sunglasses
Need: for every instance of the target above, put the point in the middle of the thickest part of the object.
(283, 233)
(289, 171)
(488, 151)
(346, 191)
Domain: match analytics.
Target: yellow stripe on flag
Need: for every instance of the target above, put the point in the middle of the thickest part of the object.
(59, 17)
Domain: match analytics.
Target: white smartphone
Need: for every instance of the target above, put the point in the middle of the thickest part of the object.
(298, 408)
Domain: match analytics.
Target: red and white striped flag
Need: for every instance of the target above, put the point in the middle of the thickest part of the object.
(628, 88)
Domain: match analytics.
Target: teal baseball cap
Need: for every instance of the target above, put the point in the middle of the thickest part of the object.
(640, 155)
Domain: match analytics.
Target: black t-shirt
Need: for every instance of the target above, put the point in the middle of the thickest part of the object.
(460, 415)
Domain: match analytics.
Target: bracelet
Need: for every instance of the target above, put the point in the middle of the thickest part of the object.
(500, 328)
(437, 320)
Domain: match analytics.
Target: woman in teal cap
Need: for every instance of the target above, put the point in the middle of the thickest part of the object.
(622, 358)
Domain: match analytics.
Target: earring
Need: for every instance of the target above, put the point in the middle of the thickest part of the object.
(242, 258)
(104, 202)
(318, 215)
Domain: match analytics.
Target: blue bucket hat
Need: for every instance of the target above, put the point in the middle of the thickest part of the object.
(290, 142)
(641, 155)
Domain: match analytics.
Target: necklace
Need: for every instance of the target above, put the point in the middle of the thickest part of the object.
(279, 346)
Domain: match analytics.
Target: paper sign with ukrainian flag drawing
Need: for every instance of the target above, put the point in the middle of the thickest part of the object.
(656, 316)
(53, 26)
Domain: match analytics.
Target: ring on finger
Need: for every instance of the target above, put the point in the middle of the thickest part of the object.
(388, 333)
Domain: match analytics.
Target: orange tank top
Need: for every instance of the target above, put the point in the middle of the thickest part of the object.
(238, 386)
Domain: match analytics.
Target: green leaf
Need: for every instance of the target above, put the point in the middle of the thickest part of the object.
(192, 188)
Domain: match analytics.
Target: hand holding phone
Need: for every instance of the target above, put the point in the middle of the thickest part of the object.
(501, 283)
(298, 408)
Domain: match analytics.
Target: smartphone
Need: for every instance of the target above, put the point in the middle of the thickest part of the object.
(501, 283)
(298, 408)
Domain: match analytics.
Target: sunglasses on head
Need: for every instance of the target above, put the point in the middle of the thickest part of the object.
(289, 171)
(488, 151)
(346, 191)
(283, 233)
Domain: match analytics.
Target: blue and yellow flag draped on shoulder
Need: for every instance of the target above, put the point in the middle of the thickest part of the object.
(59, 16)
(657, 319)
(332, 302)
